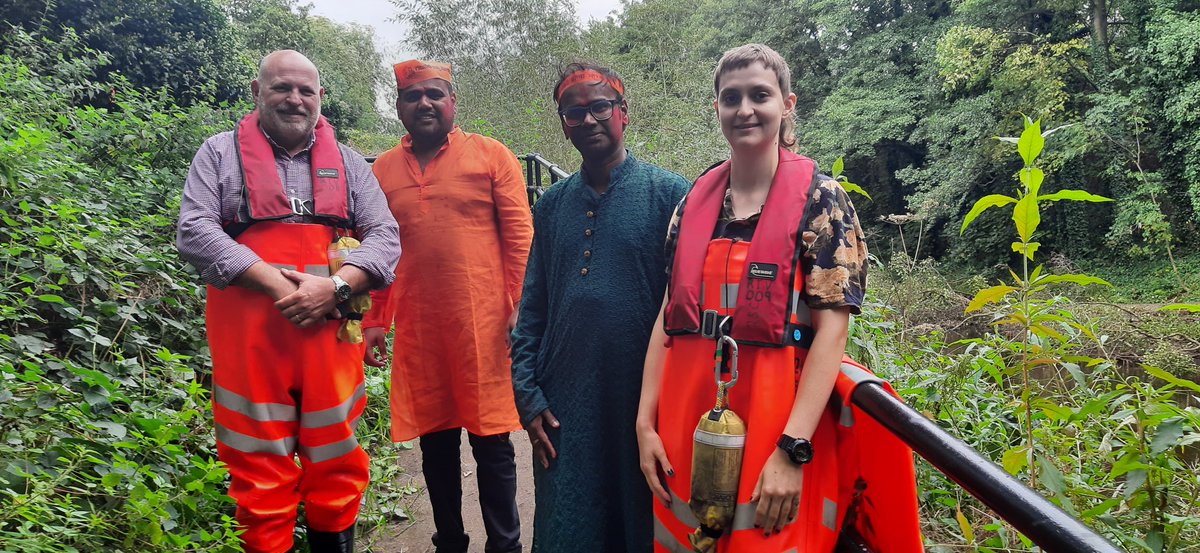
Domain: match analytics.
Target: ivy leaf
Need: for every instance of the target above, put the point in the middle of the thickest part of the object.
(1076, 195)
(1027, 217)
(1031, 142)
(989, 295)
(985, 203)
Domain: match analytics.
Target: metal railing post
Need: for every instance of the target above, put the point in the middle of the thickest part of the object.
(1028, 511)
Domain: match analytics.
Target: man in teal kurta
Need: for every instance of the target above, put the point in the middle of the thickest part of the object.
(593, 287)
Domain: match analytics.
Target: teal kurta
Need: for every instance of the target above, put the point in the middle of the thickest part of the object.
(594, 284)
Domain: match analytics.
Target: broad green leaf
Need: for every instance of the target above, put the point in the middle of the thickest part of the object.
(1026, 249)
(1082, 280)
(1166, 436)
(1164, 375)
(1027, 217)
(989, 295)
(851, 187)
(1076, 195)
(838, 165)
(1032, 177)
(964, 525)
(1052, 477)
(115, 429)
(1015, 460)
(1031, 142)
(1134, 481)
(984, 203)
(51, 298)
(1192, 307)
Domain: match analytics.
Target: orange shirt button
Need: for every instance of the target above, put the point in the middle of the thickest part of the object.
(583, 271)
(587, 232)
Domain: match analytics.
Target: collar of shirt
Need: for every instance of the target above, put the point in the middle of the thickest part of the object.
(727, 210)
(312, 139)
(618, 173)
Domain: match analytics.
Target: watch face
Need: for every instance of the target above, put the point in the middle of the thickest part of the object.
(802, 451)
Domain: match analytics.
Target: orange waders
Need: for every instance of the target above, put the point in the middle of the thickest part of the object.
(849, 448)
(279, 391)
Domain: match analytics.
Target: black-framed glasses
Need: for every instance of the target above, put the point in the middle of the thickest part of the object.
(601, 110)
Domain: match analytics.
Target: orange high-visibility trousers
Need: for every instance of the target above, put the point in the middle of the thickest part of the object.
(280, 391)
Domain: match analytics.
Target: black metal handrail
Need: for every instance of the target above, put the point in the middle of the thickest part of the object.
(534, 164)
(1029, 512)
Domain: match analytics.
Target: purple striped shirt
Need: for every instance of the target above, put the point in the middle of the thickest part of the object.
(213, 194)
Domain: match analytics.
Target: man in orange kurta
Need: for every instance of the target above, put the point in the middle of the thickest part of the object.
(461, 204)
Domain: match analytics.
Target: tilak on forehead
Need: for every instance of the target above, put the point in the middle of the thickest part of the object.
(587, 76)
(412, 72)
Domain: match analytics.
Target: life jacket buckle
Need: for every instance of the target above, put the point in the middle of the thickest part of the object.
(713, 326)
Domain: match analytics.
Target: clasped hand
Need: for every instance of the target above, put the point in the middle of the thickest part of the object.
(311, 301)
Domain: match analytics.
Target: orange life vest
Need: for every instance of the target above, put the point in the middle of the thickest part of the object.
(860, 472)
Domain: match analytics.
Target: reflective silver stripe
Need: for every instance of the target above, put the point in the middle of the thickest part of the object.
(801, 310)
(723, 441)
(333, 415)
(250, 444)
(683, 511)
(729, 293)
(330, 451)
(317, 270)
(829, 514)
(262, 412)
(284, 266)
(858, 375)
(847, 417)
(667, 540)
(743, 516)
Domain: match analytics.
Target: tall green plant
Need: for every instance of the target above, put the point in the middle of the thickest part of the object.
(1023, 302)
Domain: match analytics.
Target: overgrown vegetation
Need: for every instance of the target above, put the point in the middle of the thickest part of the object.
(1089, 395)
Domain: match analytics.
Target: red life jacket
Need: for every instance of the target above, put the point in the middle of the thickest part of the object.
(769, 290)
(262, 191)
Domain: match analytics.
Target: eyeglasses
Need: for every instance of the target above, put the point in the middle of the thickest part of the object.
(601, 110)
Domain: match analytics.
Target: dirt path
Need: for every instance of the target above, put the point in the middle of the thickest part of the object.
(413, 536)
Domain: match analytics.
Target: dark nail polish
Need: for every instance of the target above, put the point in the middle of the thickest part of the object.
(671, 472)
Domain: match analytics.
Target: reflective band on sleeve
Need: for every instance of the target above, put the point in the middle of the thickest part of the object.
(683, 511)
(284, 266)
(261, 412)
(858, 375)
(743, 516)
(847, 417)
(250, 444)
(829, 514)
(729, 294)
(317, 270)
(801, 310)
(723, 441)
(333, 415)
(330, 451)
(667, 540)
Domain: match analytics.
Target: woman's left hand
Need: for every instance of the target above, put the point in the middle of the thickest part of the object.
(777, 493)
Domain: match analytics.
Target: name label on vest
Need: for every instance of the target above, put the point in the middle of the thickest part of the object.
(327, 173)
(765, 271)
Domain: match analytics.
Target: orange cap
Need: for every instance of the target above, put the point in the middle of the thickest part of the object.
(412, 72)
(587, 76)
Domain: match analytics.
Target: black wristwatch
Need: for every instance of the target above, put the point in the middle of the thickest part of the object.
(341, 289)
(799, 450)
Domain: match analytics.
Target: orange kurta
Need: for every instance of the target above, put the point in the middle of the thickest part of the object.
(465, 227)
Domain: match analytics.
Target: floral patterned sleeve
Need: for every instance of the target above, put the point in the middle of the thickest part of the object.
(673, 235)
(835, 261)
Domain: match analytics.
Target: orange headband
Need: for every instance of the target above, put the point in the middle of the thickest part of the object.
(412, 72)
(587, 76)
